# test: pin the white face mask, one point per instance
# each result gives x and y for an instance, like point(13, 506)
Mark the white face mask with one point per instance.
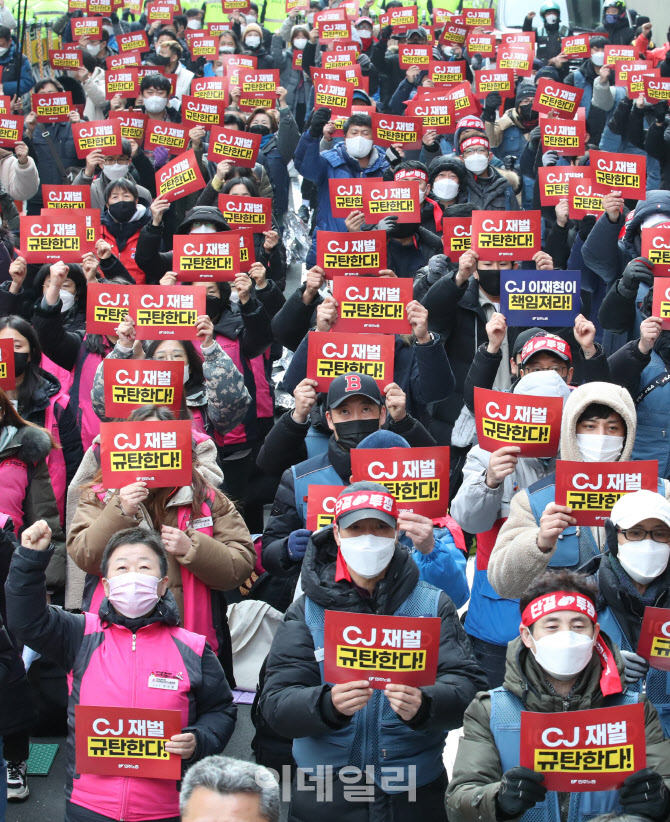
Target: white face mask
point(476, 163)
point(422, 195)
point(598, 58)
point(115, 171)
point(645, 560)
point(93, 48)
point(218, 71)
point(299, 43)
point(203, 229)
point(253, 41)
point(193, 24)
point(599, 447)
point(234, 297)
point(366, 555)
point(67, 298)
point(551, 19)
point(133, 594)
point(154, 105)
point(445, 189)
point(364, 34)
point(358, 147)
point(4, 51)
point(563, 654)
point(227, 49)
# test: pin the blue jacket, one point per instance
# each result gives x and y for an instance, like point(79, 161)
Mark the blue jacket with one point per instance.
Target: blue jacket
point(652, 438)
point(9, 83)
point(444, 567)
point(332, 164)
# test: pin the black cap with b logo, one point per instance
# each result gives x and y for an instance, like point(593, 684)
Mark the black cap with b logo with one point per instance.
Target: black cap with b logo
point(350, 385)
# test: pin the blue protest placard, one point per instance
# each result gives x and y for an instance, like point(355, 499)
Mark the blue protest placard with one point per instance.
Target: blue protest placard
point(544, 298)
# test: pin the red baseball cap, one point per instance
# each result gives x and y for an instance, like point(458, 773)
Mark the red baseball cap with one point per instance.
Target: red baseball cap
point(546, 342)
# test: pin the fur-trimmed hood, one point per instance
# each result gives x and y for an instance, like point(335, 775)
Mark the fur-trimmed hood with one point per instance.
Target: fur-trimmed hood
point(30, 445)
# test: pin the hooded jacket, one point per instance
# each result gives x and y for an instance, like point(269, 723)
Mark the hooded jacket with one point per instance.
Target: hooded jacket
point(516, 560)
point(493, 193)
point(99, 653)
point(475, 782)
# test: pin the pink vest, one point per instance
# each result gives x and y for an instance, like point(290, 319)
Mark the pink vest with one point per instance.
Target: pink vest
point(14, 483)
point(90, 421)
point(56, 459)
point(117, 675)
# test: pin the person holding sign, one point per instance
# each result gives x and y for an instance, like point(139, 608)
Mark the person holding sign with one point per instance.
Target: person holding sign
point(598, 426)
point(561, 662)
point(356, 566)
point(137, 620)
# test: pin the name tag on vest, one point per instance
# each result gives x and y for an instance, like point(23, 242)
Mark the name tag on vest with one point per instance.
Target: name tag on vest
point(319, 654)
point(163, 683)
point(203, 522)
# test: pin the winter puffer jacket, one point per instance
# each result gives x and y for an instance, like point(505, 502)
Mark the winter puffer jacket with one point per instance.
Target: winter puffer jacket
point(297, 703)
point(99, 652)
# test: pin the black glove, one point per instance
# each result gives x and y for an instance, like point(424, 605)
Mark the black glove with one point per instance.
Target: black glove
point(639, 270)
point(520, 790)
point(509, 161)
point(387, 31)
point(660, 110)
point(644, 794)
point(586, 225)
point(491, 104)
point(535, 135)
point(319, 119)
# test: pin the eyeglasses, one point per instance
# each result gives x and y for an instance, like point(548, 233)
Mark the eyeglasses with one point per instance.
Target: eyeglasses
point(470, 151)
point(110, 161)
point(557, 369)
point(638, 534)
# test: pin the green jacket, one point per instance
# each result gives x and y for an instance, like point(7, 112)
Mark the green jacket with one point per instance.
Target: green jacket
point(477, 771)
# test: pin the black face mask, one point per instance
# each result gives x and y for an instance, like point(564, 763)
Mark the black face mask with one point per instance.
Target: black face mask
point(122, 210)
point(214, 307)
point(21, 363)
point(489, 281)
point(350, 434)
point(526, 112)
point(402, 230)
point(257, 128)
point(159, 60)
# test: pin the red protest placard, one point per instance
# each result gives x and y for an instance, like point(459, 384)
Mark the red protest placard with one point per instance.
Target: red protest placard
point(131, 741)
point(329, 16)
point(60, 235)
point(67, 59)
point(52, 108)
point(247, 250)
point(107, 305)
point(414, 55)
point(158, 453)
point(654, 641)
point(636, 80)
point(592, 488)
point(456, 236)
point(388, 129)
point(296, 5)
point(577, 46)
point(382, 649)
point(132, 123)
point(442, 16)
point(134, 41)
point(370, 304)
point(584, 197)
point(238, 146)
point(162, 12)
point(342, 253)
point(346, 195)
point(296, 60)
point(7, 373)
point(516, 58)
point(565, 137)
point(454, 33)
point(445, 73)
point(500, 80)
point(401, 18)
point(100, 7)
point(661, 301)
point(203, 46)
point(350, 74)
point(171, 136)
point(90, 27)
point(525, 39)
point(657, 88)
point(117, 61)
point(481, 18)
point(418, 478)
point(484, 44)
point(656, 248)
point(100, 135)
point(337, 96)
point(11, 130)
point(625, 67)
point(130, 384)
point(439, 115)
point(66, 196)
point(623, 172)
point(330, 354)
point(321, 505)
point(381, 199)
point(167, 312)
point(499, 236)
point(615, 53)
point(232, 61)
point(210, 88)
point(347, 47)
point(219, 27)
point(180, 177)
point(584, 750)
point(533, 424)
point(558, 97)
point(123, 81)
point(214, 257)
point(337, 30)
point(206, 113)
point(464, 100)
point(246, 212)
point(255, 81)
point(235, 5)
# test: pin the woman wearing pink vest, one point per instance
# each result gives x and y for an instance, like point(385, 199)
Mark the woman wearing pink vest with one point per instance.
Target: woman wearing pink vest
point(130, 654)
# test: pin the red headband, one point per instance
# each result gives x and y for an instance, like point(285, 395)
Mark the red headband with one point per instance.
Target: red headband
point(475, 141)
point(360, 500)
point(410, 174)
point(610, 681)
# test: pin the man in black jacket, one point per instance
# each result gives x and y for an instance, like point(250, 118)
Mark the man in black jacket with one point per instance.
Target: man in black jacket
point(370, 732)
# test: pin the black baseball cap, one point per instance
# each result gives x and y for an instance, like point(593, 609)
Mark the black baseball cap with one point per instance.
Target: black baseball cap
point(523, 338)
point(352, 385)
